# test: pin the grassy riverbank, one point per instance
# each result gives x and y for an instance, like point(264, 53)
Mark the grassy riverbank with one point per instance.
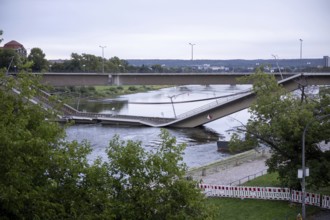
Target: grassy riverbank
point(124, 90)
point(99, 92)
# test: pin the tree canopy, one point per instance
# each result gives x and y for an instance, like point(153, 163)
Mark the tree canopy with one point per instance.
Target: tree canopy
point(90, 63)
point(37, 56)
point(1, 39)
point(278, 120)
point(45, 177)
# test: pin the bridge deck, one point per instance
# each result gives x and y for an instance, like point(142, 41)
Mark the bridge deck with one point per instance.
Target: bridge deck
point(193, 118)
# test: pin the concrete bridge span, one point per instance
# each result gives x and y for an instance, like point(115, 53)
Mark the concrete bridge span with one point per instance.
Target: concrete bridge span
point(203, 114)
point(93, 79)
point(216, 109)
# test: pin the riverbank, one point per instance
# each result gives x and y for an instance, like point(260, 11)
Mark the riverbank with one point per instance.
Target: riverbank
point(99, 92)
point(232, 170)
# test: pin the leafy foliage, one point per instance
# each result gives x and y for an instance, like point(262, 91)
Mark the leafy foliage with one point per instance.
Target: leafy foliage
point(151, 185)
point(12, 60)
point(90, 63)
point(37, 57)
point(278, 120)
point(237, 145)
point(45, 177)
point(1, 32)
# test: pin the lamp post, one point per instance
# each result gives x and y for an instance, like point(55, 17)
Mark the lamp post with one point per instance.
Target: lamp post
point(303, 184)
point(300, 48)
point(171, 97)
point(192, 50)
point(275, 57)
point(103, 57)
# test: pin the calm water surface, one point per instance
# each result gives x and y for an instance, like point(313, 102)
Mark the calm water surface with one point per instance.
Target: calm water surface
point(201, 142)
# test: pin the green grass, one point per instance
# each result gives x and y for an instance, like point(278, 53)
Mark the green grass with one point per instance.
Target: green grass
point(103, 91)
point(323, 191)
point(265, 180)
point(253, 209)
point(70, 93)
point(246, 209)
point(271, 179)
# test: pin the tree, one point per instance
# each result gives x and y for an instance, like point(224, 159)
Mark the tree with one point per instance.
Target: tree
point(11, 60)
point(278, 120)
point(152, 185)
point(8, 56)
point(45, 177)
point(36, 165)
point(39, 62)
point(1, 39)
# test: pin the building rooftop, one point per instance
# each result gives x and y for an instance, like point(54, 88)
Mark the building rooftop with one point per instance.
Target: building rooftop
point(13, 45)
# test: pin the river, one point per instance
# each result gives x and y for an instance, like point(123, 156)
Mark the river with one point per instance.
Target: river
point(201, 142)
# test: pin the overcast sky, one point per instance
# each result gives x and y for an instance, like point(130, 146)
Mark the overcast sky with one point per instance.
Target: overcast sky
point(163, 29)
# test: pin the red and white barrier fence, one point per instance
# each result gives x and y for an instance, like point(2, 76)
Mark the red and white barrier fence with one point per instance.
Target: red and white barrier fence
point(310, 199)
point(326, 202)
point(268, 193)
point(246, 192)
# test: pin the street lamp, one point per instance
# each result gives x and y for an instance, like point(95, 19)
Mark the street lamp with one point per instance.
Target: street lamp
point(275, 57)
point(301, 48)
point(103, 57)
point(192, 50)
point(171, 97)
point(303, 184)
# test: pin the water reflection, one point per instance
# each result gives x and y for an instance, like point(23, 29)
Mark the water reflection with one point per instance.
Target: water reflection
point(102, 106)
point(201, 141)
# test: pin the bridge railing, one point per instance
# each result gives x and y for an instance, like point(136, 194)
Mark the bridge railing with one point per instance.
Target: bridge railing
point(213, 104)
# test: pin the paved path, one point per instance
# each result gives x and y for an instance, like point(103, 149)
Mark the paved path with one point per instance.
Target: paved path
point(231, 174)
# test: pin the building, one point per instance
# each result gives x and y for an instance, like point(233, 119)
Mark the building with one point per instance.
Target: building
point(326, 61)
point(19, 48)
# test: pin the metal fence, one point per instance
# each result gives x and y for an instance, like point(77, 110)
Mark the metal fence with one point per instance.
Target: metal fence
point(248, 178)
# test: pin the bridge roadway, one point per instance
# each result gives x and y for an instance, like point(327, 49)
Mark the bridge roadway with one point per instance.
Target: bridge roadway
point(203, 114)
point(93, 79)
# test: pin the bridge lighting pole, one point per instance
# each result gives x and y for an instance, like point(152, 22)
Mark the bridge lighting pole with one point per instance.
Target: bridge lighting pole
point(171, 97)
point(303, 184)
point(103, 57)
point(192, 50)
point(275, 57)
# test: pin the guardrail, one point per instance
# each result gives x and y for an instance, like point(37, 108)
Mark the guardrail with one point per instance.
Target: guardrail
point(249, 177)
point(211, 105)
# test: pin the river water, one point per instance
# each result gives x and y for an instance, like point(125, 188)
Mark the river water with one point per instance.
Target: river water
point(201, 142)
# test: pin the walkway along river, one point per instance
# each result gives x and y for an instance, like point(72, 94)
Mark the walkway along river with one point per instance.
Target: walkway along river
point(201, 142)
